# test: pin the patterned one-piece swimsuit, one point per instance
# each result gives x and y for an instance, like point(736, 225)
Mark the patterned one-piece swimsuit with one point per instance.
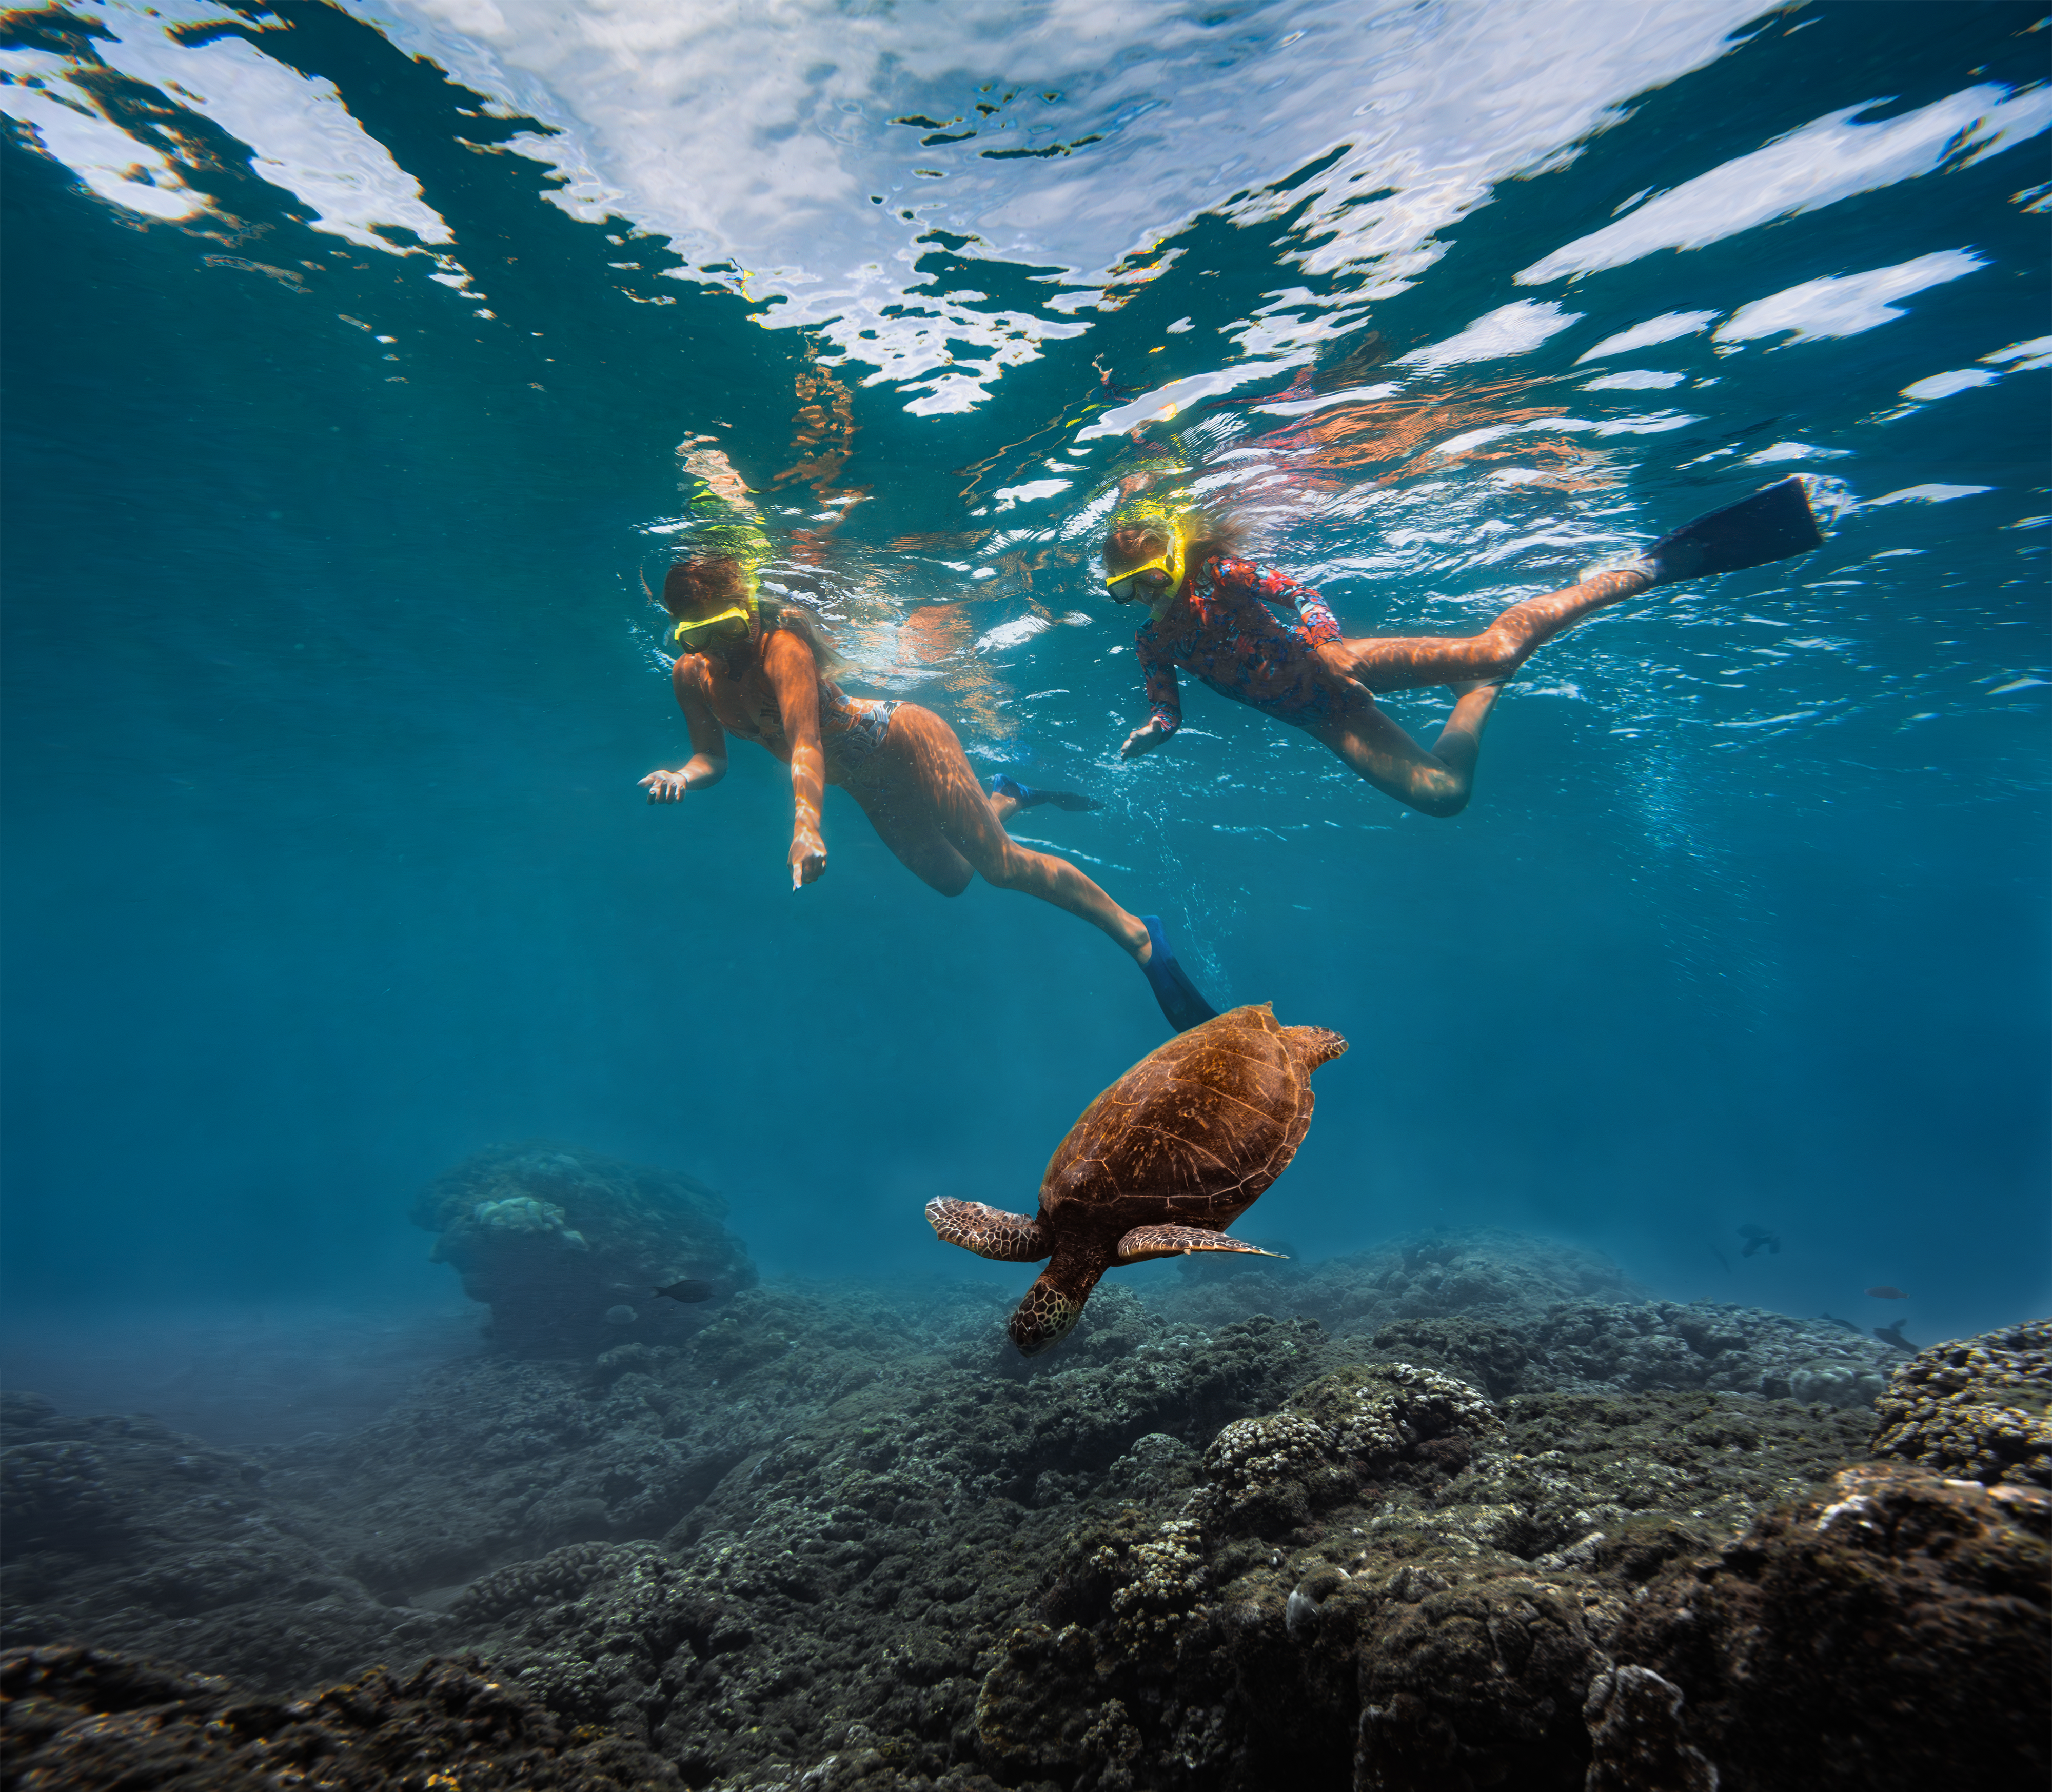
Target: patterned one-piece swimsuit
point(850, 728)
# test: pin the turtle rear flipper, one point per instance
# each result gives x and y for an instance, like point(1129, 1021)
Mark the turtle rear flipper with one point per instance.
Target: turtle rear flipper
point(1145, 1242)
point(1007, 1237)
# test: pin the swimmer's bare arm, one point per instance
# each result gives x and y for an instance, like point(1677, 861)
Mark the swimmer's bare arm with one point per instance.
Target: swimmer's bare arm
point(1163, 697)
point(708, 764)
point(794, 675)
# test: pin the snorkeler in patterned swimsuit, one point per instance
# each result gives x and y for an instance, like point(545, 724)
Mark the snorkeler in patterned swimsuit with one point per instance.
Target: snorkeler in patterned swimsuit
point(745, 666)
point(1208, 614)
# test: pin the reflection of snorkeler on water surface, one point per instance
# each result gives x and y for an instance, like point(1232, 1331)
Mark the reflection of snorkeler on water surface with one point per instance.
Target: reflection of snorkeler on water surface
point(1208, 614)
point(748, 666)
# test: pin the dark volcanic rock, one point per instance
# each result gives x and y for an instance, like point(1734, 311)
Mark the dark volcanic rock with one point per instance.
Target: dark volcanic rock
point(567, 1247)
point(1629, 1347)
point(1425, 1276)
point(847, 1589)
point(84, 1720)
point(847, 1541)
point(56, 1493)
point(1889, 1631)
point(171, 1547)
point(1417, 1617)
point(1635, 1742)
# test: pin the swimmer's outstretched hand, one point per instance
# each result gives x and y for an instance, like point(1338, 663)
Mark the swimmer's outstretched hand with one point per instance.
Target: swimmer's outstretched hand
point(1144, 740)
point(808, 858)
point(666, 787)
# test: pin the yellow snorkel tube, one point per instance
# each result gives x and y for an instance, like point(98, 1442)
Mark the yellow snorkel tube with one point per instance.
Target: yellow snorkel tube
point(747, 546)
point(729, 527)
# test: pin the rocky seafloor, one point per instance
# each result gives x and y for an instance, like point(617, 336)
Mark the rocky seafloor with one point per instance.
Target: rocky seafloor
point(1463, 1511)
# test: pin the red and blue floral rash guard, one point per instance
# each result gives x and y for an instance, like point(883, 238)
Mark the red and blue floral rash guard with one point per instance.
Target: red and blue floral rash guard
point(1220, 627)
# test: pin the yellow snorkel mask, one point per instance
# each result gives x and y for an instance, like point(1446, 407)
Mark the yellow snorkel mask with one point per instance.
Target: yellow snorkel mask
point(1169, 561)
point(746, 548)
point(695, 634)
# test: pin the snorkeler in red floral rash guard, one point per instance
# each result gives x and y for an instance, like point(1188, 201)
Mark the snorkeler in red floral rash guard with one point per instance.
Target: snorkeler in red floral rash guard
point(1224, 631)
point(1209, 613)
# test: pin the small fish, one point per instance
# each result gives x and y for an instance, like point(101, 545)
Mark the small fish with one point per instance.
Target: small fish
point(1721, 1259)
point(687, 1290)
point(1833, 1319)
point(1885, 1293)
point(1892, 1335)
point(1758, 1238)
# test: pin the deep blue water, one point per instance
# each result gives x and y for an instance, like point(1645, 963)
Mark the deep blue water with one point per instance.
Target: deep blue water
point(329, 675)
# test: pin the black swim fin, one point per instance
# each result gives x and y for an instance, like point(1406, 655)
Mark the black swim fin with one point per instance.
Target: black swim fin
point(1774, 523)
point(1181, 1004)
point(1027, 798)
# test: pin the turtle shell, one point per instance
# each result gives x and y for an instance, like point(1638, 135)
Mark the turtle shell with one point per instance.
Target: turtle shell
point(1195, 1131)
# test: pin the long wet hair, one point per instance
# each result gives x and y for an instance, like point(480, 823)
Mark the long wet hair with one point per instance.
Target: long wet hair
point(706, 584)
point(1132, 543)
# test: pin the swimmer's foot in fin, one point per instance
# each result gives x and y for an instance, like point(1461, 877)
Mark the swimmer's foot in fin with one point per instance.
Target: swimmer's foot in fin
point(1025, 796)
point(1181, 1004)
point(1774, 523)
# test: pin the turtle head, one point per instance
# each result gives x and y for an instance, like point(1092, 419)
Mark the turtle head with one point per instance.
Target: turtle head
point(1047, 1315)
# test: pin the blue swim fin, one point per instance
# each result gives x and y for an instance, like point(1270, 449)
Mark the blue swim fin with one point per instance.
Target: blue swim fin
point(1774, 523)
point(1181, 1005)
point(1027, 798)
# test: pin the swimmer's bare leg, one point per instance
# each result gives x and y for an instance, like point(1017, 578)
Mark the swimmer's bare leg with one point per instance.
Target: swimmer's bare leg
point(920, 765)
point(1001, 861)
point(1377, 748)
point(927, 805)
point(911, 831)
point(1416, 662)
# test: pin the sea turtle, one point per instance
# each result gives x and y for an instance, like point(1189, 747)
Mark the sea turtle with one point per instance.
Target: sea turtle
point(1159, 1164)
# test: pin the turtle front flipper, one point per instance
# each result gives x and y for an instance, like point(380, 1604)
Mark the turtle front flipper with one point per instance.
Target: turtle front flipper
point(1008, 1238)
point(1145, 1242)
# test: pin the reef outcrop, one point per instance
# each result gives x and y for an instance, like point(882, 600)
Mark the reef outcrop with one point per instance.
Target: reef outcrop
point(845, 1540)
point(567, 1247)
point(1980, 1408)
point(1889, 1630)
point(1393, 1583)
